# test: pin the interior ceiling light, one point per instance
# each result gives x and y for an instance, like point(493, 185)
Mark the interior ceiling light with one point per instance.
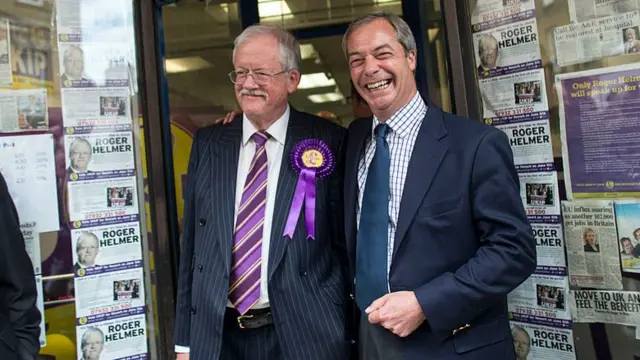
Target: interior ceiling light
point(326, 97)
point(273, 8)
point(307, 51)
point(310, 81)
point(184, 64)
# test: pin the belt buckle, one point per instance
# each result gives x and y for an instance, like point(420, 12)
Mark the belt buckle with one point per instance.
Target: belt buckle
point(242, 317)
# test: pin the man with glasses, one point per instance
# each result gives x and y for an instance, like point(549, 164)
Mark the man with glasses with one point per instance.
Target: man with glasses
point(263, 264)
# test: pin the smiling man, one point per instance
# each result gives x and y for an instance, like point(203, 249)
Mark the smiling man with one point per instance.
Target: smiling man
point(257, 283)
point(436, 230)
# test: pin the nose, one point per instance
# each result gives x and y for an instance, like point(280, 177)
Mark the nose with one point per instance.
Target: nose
point(249, 83)
point(370, 66)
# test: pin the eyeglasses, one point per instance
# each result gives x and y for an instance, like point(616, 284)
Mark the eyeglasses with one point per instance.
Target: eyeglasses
point(259, 77)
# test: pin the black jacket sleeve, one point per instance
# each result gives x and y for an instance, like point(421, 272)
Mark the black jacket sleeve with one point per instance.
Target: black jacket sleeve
point(19, 315)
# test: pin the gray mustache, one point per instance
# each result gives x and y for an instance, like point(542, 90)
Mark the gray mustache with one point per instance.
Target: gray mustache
point(253, 92)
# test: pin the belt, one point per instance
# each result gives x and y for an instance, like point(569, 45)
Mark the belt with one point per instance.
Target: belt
point(252, 319)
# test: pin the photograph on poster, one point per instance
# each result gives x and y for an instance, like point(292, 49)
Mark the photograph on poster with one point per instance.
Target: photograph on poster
point(113, 106)
point(527, 92)
point(552, 297)
point(628, 222)
point(22, 110)
point(540, 194)
point(119, 197)
point(631, 40)
point(126, 289)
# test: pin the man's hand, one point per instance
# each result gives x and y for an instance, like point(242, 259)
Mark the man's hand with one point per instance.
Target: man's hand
point(182, 356)
point(229, 117)
point(398, 312)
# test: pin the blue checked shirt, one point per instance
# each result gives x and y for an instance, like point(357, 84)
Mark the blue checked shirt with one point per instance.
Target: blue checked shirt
point(404, 126)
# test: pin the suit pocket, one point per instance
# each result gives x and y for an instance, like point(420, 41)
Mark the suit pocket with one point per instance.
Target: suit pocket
point(440, 207)
point(478, 336)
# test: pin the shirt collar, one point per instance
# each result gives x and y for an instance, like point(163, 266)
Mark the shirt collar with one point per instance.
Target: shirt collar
point(277, 130)
point(403, 121)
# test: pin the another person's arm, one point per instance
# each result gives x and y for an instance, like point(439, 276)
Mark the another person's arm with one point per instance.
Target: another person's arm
point(18, 294)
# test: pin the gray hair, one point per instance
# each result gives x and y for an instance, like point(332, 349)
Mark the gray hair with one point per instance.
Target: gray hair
point(290, 57)
point(401, 28)
point(85, 235)
point(489, 39)
point(91, 330)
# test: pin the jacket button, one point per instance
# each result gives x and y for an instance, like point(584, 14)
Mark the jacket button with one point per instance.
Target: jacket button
point(303, 272)
point(351, 296)
point(203, 222)
point(193, 310)
point(200, 267)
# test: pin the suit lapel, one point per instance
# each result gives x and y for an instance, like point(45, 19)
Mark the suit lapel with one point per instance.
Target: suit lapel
point(427, 155)
point(287, 181)
point(225, 154)
point(356, 146)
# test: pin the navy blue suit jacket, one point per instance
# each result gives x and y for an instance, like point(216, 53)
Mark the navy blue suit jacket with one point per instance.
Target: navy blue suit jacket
point(307, 278)
point(463, 241)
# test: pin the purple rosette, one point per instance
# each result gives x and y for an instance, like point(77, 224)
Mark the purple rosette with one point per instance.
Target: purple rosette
point(311, 159)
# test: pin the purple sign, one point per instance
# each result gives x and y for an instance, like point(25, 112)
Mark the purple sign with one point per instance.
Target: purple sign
point(601, 131)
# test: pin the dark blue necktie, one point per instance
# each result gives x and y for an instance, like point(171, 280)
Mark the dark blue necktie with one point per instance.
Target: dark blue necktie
point(371, 248)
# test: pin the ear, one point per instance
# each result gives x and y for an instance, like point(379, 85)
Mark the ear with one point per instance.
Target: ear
point(293, 80)
point(411, 59)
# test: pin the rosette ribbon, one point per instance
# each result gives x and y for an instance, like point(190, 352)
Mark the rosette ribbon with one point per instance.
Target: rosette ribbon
point(311, 159)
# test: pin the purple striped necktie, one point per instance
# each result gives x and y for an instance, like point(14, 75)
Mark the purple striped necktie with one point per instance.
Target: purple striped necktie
point(244, 290)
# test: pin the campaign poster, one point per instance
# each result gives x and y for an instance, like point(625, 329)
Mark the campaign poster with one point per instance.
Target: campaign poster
point(99, 155)
point(533, 341)
point(549, 249)
point(599, 130)
point(539, 193)
point(106, 245)
point(103, 198)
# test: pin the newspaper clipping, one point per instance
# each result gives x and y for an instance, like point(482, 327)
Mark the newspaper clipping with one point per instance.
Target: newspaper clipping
point(27, 164)
point(599, 129)
point(542, 296)
point(6, 77)
point(592, 245)
point(583, 10)
point(534, 341)
point(594, 39)
point(628, 222)
point(614, 307)
point(23, 110)
point(550, 249)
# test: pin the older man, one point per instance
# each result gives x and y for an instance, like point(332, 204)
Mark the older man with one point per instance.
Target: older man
point(434, 221)
point(258, 279)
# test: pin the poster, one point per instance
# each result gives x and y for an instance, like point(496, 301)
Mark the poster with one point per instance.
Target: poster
point(531, 144)
point(628, 223)
point(22, 110)
point(542, 296)
point(27, 164)
point(599, 130)
point(592, 244)
point(539, 193)
point(99, 155)
point(40, 305)
point(549, 249)
point(6, 77)
point(31, 237)
point(614, 307)
point(598, 38)
point(121, 335)
point(583, 10)
point(492, 13)
point(102, 198)
point(535, 341)
point(106, 244)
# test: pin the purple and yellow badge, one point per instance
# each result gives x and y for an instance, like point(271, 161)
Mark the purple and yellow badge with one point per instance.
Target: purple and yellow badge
point(312, 159)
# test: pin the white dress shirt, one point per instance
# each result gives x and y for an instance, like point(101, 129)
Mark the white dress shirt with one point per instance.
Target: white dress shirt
point(404, 126)
point(275, 149)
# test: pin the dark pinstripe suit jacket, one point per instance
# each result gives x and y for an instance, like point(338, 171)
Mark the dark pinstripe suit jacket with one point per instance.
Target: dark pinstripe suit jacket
point(307, 282)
